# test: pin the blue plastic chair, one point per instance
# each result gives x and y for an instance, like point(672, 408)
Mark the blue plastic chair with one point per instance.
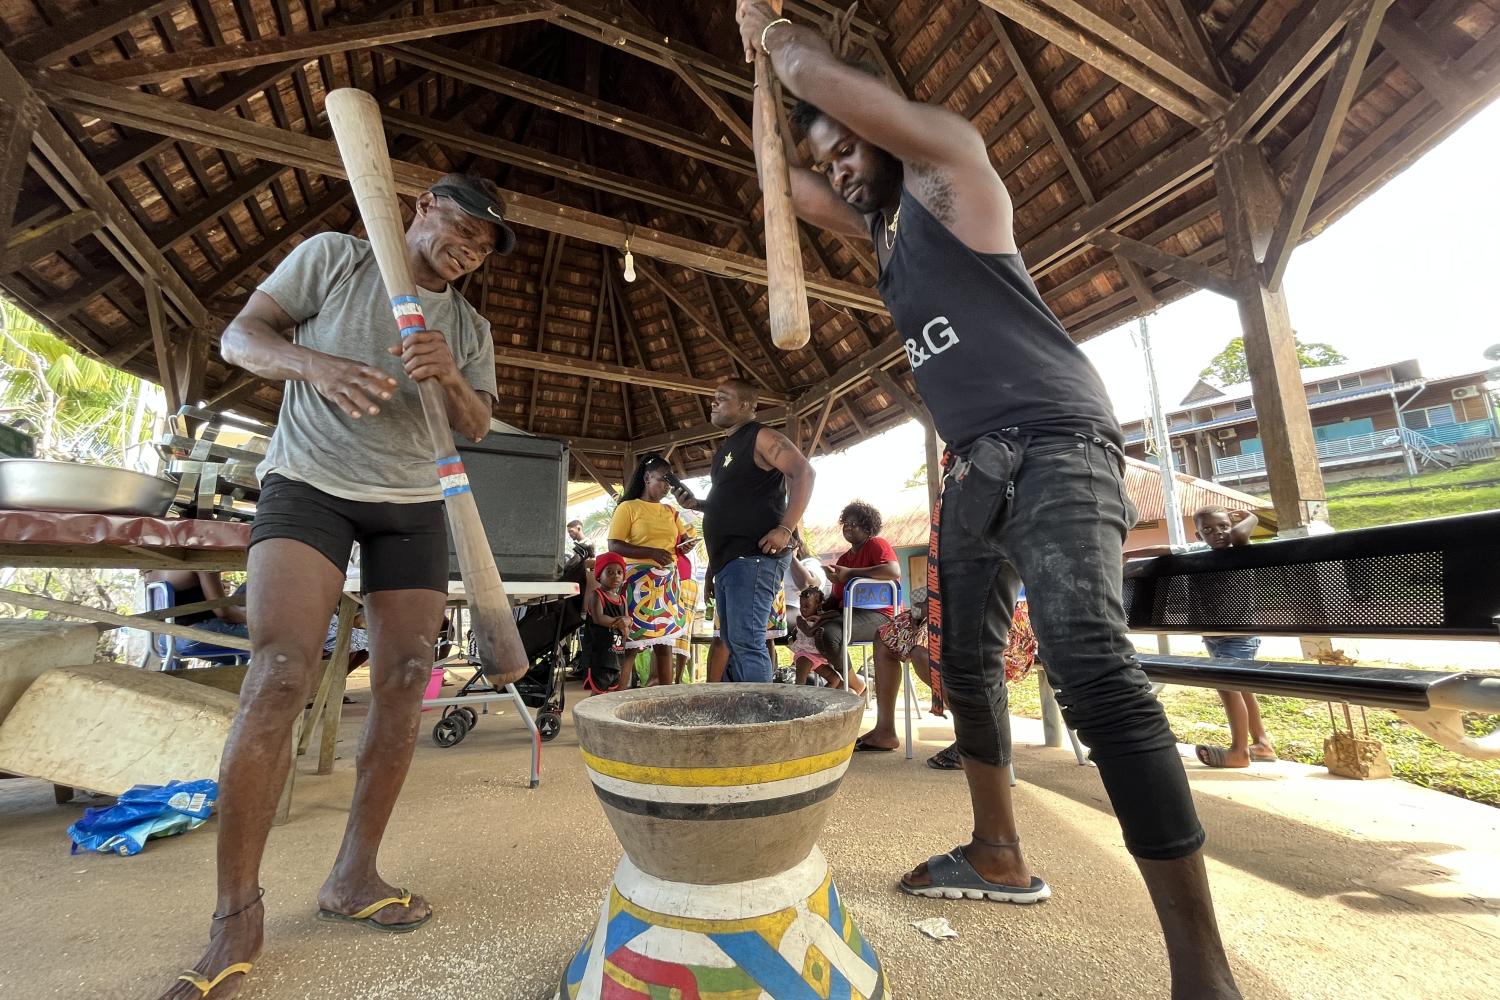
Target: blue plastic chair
point(863, 592)
point(172, 650)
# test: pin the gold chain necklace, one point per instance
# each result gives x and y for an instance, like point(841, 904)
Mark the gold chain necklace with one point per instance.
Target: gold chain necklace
point(890, 229)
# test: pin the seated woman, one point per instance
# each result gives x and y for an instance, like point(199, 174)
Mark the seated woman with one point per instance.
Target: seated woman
point(905, 640)
point(869, 557)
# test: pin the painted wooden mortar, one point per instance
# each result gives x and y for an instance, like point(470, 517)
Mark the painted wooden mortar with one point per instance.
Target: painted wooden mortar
point(718, 794)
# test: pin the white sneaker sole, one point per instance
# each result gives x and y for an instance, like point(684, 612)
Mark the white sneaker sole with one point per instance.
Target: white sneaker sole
point(1021, 897)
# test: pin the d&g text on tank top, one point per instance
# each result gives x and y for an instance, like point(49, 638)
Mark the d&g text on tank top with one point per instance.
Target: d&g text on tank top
point(947, 338)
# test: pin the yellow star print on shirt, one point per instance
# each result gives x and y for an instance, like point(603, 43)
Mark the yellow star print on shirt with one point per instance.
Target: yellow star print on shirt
point(727, 459)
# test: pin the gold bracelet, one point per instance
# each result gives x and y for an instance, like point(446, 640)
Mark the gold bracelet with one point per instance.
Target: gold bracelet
point(779, 20)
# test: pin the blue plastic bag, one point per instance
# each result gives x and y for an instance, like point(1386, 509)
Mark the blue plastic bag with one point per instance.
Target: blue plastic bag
point(144, 812)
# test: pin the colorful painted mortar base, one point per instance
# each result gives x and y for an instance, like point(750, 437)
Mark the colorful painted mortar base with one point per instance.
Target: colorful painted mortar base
point(718, 794)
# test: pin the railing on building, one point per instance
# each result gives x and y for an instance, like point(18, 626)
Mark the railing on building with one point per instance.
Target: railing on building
point(1432, 446)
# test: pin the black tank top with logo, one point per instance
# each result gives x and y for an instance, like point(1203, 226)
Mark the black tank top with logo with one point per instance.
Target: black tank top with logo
point(987, 352)
point(744, 502)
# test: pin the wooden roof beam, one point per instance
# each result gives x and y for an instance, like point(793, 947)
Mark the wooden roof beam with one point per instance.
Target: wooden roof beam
point(84, 30)
point(302, 46)
point(633, 36)
point(558, 167)
point(703, 322)
point(1184, 270)
point(34, 243)
point(1328, 122)
point(267, 142)
point(1118, 54)
point(127, 241)
point(561, 100)
point(1414, 51)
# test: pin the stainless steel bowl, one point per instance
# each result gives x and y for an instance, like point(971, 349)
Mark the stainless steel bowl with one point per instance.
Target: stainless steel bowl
point(36, 484)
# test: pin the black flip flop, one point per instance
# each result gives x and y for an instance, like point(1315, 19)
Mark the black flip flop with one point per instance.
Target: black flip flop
point(946, 759)
point(860, 746)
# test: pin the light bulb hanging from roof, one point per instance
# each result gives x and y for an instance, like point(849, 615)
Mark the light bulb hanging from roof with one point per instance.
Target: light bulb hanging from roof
point(629, 261)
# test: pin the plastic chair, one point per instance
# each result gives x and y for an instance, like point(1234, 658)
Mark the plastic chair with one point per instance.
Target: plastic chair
point(874, 589)
point(172, 650)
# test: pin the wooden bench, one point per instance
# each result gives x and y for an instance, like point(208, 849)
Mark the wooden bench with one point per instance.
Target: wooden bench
point(1434, 579)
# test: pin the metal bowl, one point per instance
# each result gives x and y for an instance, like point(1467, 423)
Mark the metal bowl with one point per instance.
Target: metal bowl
point(72, 487)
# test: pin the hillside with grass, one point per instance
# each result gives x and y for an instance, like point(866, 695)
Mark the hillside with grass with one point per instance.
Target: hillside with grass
point(1361, 503)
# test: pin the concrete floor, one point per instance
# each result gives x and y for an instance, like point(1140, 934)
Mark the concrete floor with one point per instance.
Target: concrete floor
point(1327, 888)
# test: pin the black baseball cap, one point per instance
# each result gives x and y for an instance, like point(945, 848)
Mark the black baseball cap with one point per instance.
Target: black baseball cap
point(481, 199)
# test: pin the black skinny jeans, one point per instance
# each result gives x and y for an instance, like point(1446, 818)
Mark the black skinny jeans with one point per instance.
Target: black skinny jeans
point(1051, 510)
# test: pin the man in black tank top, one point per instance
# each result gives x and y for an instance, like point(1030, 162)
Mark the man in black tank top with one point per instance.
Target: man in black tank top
point(1033, 489)
point(760, 487)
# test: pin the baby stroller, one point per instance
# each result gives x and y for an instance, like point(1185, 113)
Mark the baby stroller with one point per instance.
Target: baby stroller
point(546, 634)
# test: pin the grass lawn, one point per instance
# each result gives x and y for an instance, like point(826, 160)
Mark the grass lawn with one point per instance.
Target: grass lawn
point(1299, 728)
point(1441, 493)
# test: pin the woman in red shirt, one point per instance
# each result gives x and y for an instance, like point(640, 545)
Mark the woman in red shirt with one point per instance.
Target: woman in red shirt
point(869, 557)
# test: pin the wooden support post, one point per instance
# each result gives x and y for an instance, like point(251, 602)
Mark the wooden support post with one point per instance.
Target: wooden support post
point(166, 372)
point(338, 674)
point(1328, 122)
point(1251, 203)
point(934, 463)
point(284, 804)
point(593, 473)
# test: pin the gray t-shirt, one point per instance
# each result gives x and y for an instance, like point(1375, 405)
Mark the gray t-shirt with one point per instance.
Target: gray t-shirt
point(331, 286)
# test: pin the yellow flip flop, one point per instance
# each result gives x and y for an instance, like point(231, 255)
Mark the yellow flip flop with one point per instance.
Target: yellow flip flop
point(204, 985)
point(367, 915)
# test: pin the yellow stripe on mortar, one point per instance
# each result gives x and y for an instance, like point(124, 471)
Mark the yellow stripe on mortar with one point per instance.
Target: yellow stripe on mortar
point(718, 777)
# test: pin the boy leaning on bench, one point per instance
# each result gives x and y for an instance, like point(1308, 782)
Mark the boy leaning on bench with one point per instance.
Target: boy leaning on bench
point(1220, 528)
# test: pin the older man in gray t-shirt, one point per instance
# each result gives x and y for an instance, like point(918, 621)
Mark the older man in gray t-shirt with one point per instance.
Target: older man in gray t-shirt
point(350, 461)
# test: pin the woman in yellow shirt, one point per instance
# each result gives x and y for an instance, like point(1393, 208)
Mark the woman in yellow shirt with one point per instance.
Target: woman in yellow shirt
point(646, 532)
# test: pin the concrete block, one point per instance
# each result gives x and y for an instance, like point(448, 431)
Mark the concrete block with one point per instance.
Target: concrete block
point(105, 727)
point(29, 649)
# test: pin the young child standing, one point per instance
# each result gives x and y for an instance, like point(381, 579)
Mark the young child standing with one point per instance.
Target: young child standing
point(1220, 528)
point(605, 625)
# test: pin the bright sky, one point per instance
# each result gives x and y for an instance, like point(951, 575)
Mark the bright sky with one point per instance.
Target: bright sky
point(1408, 273)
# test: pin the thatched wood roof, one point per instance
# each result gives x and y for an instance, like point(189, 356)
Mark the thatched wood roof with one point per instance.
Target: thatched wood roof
point(179, 151)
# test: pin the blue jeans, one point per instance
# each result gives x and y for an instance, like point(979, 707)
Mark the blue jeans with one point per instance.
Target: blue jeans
point(1231, 647)
point(744, 592)
point(224, 627)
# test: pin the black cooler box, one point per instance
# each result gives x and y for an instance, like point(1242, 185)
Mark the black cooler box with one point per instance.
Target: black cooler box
point(521, 486)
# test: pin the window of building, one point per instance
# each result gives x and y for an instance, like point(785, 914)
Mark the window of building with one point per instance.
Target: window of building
point(1350, 382)
point(1432, 416)
point(1244, 405)
point(1324, 388)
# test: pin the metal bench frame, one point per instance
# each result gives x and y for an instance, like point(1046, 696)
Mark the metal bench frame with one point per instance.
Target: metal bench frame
point(1356, 580)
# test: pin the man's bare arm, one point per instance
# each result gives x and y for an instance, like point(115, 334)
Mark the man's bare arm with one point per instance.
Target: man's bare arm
point(259, 341)
point(812, 198)
point(773, 448)
point(933, 142)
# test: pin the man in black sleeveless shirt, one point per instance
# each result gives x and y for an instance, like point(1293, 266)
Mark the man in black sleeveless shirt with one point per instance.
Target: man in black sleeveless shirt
point(1033, 490)
point(760, 487)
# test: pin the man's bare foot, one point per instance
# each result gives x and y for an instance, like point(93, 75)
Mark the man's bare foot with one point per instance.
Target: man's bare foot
point(232, 939)
point(877, 740)
point(351, 897)
point(1262, 752)
point(1212, 756)
point(1000, 865)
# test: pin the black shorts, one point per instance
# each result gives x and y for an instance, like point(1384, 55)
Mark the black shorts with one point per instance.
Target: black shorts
point(402, 546)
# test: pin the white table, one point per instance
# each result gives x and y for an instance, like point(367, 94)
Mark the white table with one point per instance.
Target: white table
point(520, 593)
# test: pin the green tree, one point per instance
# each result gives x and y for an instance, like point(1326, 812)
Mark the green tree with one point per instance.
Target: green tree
point(1229, 367)
point(74, 406)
